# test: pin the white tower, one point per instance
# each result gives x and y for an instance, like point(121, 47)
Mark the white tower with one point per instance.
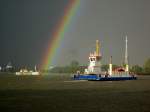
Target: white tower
point(35, 69)
point(126, 55)
point(94, 59)
point(110, 66)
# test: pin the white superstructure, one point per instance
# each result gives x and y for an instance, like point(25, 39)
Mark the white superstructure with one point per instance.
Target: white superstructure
point(94, 61)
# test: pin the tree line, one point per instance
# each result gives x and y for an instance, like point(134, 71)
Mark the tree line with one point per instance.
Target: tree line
point(75, 66)
point(145, 69)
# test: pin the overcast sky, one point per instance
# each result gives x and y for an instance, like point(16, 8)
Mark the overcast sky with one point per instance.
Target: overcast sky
point(27, 25)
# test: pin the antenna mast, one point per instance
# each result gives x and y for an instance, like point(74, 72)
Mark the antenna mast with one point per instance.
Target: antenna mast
point(126, 54)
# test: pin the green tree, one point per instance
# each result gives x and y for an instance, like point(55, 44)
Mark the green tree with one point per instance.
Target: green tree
point(147, 66)
point(104, 67)
point(136, 69)
point(74, 66)
point(74, 63)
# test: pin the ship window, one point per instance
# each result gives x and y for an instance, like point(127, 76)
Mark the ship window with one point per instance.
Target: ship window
point(91, 59)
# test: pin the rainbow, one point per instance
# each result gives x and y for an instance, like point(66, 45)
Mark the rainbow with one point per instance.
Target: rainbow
point(59, 31)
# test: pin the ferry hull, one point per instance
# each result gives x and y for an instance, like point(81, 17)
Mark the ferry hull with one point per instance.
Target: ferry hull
point(97, 78)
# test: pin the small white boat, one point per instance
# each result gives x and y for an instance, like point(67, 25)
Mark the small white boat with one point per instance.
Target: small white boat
point(26, 72)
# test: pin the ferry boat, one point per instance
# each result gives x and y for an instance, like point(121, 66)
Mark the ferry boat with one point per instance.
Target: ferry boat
point(93, 71)
point(27, 72)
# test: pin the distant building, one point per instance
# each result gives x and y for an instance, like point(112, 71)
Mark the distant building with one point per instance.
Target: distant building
point(9, 66)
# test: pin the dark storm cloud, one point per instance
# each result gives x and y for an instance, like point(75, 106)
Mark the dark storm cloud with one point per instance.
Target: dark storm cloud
point(27, 25)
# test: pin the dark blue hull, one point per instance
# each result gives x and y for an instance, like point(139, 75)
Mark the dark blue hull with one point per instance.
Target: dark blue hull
point(97, 78)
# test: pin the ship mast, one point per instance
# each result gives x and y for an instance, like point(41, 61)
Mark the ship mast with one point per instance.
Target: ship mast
point(126, 55)
point(97, 48)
